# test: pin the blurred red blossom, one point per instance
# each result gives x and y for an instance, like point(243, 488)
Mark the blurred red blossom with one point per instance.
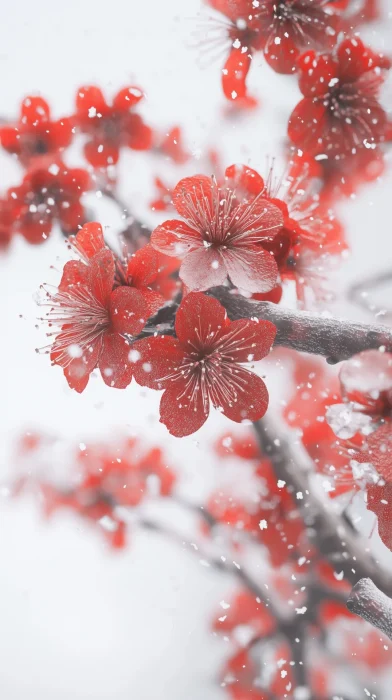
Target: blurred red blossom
point(340, 111)
point(35, 134)
point(50, 192)
point(110, 127)
point(282, 31)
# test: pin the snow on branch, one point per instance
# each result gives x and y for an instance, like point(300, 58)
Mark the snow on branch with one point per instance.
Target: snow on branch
point(368, 602)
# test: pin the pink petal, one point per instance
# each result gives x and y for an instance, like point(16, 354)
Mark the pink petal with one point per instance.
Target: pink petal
point(175, 238)
point(181, 414)
point(198, 319)
point(247, 341)
point(114, 365)
point(252, 269)
point(128, 311)
point(202, 269)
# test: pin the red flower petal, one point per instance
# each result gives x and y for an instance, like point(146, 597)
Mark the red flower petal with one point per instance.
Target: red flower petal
point(10, 138)
point(102, 275)
point(75, 181)
point(155, 359)
point(34, 110)
point(114, 365)
point(128, 311)
point(140, 136)
point(127, 98)
point(143, 267)
point(89, 240)
point(74, 273)
point(77, 370)
point(234, 74)
point(90, 99)
point(175, 238)
point(198, 317)
point(59, 134)
point(246, 178)
point(181, 414)
point(282, 56)
point(101, 153)
point(307, 124)
point(193, 193)
point(251, 394)
point(317, 71)
point(354, 59)
point(71, 217)
point(252, 269)
point(35, 232)
point(154, 301)
point(248, 341)
point(203, 268)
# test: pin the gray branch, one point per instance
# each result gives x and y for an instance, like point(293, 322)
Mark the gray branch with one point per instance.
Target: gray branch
point(334, 339)
point(332, 535)
point(367, 601)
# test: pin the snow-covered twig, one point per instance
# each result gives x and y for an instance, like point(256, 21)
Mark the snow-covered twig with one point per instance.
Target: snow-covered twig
point(367, 601)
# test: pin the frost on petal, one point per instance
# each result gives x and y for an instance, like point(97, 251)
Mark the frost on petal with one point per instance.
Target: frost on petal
point(203, 268)
point(252, 269)
point(175, 238)
point(345, 421)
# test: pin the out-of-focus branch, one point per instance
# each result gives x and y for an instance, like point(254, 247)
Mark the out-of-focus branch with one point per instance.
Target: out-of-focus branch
point(367, 601)
point(331, 534)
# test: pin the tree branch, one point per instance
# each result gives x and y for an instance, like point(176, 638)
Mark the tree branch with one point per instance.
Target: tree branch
point(367, 601)
point(333, 338)
point(332, 535)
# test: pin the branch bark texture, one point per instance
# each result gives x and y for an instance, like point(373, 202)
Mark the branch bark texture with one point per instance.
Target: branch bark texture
point(334, 339)
point(335, 539)
point(367, 601)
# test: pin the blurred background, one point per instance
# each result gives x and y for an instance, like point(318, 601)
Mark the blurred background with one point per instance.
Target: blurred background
point(79, 620)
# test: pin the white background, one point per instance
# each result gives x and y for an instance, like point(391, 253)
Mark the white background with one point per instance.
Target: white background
point(77, 621)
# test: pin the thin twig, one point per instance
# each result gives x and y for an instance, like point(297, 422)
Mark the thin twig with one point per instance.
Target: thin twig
point(334, 539)
point(367, 601)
